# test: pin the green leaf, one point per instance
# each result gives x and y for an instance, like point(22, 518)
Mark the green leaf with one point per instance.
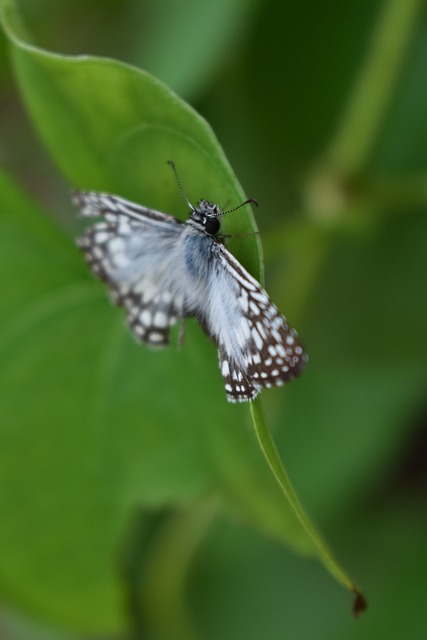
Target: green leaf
point(110, 126)
point(92, 424)
point(278, 592)
point(197, 52)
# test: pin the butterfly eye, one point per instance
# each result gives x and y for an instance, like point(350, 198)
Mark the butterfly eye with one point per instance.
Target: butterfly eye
point(212, 226)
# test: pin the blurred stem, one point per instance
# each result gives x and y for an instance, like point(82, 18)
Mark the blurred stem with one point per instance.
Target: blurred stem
point(373, 88)
point(327, 198)
point(401, 195)
point(166, 572)
point(272, 457)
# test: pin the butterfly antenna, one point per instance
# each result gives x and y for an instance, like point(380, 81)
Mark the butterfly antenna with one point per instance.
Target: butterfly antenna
point(242, 204)
point(184, 195)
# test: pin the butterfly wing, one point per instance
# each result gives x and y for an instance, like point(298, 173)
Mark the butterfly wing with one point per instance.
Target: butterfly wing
point(257, 347)
point(162, 270)
point(131, 250)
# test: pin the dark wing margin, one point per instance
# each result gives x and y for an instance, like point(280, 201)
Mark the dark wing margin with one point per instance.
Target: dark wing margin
point(150, 312)
point(238, 385)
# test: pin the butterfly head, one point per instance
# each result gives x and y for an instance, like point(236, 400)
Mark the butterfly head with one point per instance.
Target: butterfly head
point(205, 217)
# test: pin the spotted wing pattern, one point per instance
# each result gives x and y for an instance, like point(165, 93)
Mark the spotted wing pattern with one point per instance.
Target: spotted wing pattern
point(123, 250)
point(162, 270)
point(264, 350)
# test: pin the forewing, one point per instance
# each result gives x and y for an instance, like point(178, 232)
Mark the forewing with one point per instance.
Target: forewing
point(131, 250)
point(257, 347)
point(93, 204)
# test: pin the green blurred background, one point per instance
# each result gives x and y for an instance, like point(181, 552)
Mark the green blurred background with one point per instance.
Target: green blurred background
point(321, 109)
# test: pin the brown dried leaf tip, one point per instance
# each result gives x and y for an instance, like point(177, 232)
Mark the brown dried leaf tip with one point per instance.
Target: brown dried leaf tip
point(359, 603)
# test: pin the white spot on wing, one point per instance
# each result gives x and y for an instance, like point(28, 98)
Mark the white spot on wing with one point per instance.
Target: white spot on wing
point(146, 318)
point(160, 319)
point(120, 259)
point(257, 339)
point(244, 325)
point(254, 308)
point(156, 337)
point(101, 236)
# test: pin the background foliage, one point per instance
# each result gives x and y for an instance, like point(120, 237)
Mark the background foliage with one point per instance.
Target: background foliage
point(320, 108)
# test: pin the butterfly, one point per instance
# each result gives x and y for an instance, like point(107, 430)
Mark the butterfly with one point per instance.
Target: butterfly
point(163, 270)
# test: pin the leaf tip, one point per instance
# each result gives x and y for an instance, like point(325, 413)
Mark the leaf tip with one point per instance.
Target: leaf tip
point(359, 603)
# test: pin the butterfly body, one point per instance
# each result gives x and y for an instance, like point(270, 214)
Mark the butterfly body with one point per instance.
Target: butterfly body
point(163, 270)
